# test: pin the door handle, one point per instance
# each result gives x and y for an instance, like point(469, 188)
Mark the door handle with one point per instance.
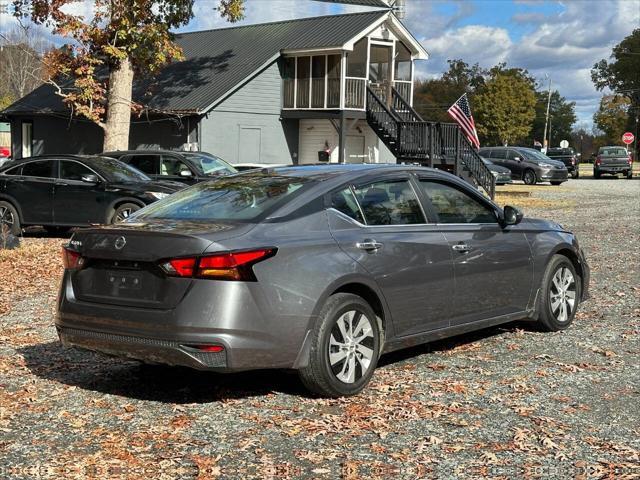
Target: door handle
point(61, 184)
point(461, 247)
point(369, 245)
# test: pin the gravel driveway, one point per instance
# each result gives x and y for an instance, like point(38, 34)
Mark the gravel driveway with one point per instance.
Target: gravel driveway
point(507, 402)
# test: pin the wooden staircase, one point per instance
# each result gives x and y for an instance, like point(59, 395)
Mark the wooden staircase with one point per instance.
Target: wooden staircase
point(433, 144)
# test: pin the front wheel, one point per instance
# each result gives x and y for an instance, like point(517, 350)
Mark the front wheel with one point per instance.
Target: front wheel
point(529, 177)
point(123, 212)
point(345, 347)
point(559, 295)
point(575, 174)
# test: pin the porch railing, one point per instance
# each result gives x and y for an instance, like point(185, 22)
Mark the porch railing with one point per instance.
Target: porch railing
point(355, 92)
point(404, 89)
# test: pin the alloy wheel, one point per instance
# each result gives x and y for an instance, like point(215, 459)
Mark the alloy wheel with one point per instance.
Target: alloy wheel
point(529, 177)
point(562, 294)
point(351, 346)
point(123, 215)
point(6, 218)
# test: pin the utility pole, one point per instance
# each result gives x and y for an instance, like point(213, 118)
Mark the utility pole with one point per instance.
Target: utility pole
point(546, 120)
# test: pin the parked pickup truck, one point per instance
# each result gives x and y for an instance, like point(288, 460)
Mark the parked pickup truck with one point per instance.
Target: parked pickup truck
point(567, 156)
point(613, 160)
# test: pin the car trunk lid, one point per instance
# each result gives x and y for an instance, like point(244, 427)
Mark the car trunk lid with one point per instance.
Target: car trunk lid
point(122, 262)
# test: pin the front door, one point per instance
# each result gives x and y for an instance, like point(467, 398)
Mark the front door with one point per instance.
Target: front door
point(355, 149)
point(492, 265)
point(77, 202)
point(380, 71)
point(382, 227)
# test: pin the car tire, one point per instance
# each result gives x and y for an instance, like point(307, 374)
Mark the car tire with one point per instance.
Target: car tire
point(123, 211)
point(575, 174)
point(9, 219)
point(559, 284)
point(529, 177)
point(629, 175)
point(596, 174)
point(339, 365)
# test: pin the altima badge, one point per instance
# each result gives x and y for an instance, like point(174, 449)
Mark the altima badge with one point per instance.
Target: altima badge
point(120, 243)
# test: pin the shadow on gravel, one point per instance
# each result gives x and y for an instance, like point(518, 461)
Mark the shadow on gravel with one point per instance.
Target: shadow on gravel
point(160, 383)
point(115, 376)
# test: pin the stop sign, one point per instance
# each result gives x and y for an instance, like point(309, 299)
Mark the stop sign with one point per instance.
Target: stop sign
point(628, 138)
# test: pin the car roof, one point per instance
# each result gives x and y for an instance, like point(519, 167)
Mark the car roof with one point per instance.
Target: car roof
point(151, 152)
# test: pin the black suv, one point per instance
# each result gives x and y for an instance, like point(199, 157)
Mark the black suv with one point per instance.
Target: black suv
point(527, 164)
point(567, 156)
point(64, 191)
point(184, 167)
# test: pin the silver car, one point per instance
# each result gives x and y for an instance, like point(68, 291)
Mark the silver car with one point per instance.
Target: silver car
point(321, 269)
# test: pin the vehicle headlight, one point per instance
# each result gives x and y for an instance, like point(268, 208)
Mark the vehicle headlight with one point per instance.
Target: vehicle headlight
point(158, 195)
point(545, 165)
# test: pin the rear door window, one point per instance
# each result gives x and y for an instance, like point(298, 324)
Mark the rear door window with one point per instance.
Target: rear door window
point(391, 202)
point(148, 164)
point(41, 169)
point(499, 154)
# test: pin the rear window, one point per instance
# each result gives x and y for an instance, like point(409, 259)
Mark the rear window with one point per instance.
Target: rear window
point(243, 198)
point(613, 152)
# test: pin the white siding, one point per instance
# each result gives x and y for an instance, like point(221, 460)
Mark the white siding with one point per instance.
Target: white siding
point(314, 134)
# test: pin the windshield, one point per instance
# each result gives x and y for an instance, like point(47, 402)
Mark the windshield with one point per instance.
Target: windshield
point(210, 164)
point(613, 152)
point(239, 198)
point(117, 171)
point(533, 154)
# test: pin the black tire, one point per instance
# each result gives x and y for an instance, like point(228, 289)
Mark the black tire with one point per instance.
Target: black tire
point(57, 230)
point(596, 174)
point(529, 177)
point(123, 211)
point(576, 173)
point(9, 219)
point(549, 312)
point(629, 175)
point(556, 183)
point(319, 375)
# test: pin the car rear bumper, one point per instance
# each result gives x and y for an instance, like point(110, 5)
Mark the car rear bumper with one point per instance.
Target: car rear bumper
point(234, 315)
point(612, 168)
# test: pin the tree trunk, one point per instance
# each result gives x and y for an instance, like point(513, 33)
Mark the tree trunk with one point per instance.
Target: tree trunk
point(116, 127)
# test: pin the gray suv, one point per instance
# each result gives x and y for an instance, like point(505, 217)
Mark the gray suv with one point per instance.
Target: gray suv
point(527, 164)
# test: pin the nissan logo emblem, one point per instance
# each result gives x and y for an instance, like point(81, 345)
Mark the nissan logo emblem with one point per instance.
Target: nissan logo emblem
point(120, 243)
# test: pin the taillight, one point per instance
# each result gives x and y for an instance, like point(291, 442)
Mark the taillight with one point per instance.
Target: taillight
point(220, 266)
point(598, 160)
point(71, 259)
point(207, 348)
point(630, 160)
point(573, 160)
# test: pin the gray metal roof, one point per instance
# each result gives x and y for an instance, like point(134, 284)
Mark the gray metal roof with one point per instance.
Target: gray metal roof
point(217, 61)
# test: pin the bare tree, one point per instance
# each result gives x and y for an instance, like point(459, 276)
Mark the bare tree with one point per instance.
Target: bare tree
point(21, 52)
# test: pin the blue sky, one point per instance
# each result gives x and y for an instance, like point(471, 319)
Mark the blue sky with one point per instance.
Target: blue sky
point(562, 39)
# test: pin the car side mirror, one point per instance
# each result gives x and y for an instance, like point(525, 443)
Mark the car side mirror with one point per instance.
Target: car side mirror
point(518, 159)
point(90, 178)
point(511, 216)
point(185, 173)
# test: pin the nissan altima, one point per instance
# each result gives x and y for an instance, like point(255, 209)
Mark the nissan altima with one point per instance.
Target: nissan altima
point(320, 269)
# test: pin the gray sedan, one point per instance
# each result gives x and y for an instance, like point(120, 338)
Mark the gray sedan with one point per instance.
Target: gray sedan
point(321, 269)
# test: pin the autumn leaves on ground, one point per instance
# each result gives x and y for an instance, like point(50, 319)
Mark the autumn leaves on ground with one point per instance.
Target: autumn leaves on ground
point(507, 402)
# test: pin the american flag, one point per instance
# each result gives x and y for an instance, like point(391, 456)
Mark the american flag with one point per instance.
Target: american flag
point(461, 112)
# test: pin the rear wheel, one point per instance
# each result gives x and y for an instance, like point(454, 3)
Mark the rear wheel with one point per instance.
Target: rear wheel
point(629, 175)
point(576, 173)
point(529, 177)
point(559, 294)
point(9, 219)
point(124, 211)
point(345, 347)
point(596, 174)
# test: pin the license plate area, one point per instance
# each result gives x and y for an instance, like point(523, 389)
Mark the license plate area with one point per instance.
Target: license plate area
point(123, 281)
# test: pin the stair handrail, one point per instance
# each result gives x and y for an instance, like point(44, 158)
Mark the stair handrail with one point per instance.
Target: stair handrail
point(397, 97)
